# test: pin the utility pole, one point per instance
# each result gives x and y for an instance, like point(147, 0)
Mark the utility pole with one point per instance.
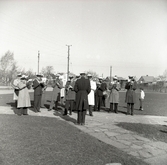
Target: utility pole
point(38, 60)
point(110, 73)
point(68, 59)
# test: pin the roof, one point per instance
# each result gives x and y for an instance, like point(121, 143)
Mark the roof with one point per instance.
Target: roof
point(147, 79)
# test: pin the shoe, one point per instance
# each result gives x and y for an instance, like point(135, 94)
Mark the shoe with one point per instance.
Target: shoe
point(77, 123)
point(91, 115)
point(82, 123)
point(49, 109)
point(25, 114)
point(64, 114)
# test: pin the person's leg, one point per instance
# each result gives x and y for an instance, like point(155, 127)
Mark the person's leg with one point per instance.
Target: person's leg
point(36, 103)
point(79, 117)
point(99, 103)
point(71, 106)
point(25, 111)
point(116, 107)
point(66, 107)
point(96, 102)
point(132, 108)
point(90, 110)
point(43, 100)
point(56, 105)
point(19, 111)
point(141, 104)
point(83, 117)
point(16, 103)
point(111, 107)
point(128, 108)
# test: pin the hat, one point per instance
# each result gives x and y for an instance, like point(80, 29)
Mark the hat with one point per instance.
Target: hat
point(39, 75)
point(82, 73)
point(89, 75)
point(71, 76)
point(23, 77)
point(115, 78)
point(100, 78)
point(57, 75)
point(131, 76)
point(19, 75)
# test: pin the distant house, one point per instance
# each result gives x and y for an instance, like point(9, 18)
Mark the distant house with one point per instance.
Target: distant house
point(146, 80)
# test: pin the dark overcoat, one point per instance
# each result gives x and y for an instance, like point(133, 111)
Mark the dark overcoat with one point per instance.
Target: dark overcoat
point(101, 89)
point(57, 85)
point(69, 88)
point(82, 89)
point(130, 93)
point(37, 87)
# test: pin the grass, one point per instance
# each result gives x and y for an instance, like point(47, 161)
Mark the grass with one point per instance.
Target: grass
point(150, 131)
point(32, 140)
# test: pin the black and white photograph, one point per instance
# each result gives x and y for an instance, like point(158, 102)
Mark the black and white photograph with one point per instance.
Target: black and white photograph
point(83, 82)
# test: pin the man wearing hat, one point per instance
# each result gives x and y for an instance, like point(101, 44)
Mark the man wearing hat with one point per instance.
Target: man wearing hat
point(100, 99)
point(57, 85)
point(69, 95)
point(37, 86)
point(16, 88)
point(114, 95)
point(130, 97)
point(82, 89)
point(91, 95)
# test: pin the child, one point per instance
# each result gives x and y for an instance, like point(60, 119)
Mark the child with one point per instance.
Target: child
point(141, 98)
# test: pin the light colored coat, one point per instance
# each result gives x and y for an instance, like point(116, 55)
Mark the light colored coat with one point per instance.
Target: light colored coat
point(15, 86)
point(114, 95)
point(23, 97)
point(91, 95)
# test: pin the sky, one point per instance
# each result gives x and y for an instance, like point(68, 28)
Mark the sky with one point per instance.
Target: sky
point(117, 37)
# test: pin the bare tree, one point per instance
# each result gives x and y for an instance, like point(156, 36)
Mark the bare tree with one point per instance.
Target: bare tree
point(94, 74)
point(165, 73)
point(8, 68)
point(47, 71)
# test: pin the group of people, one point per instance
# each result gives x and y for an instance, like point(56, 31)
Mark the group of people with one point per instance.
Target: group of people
point(21, 96)
point(80, 93)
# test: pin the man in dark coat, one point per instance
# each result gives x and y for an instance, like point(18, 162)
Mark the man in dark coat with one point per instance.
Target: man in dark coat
point(130, 98)
point(37, 86)
point(99, 94)
point(82, 89)
point(69, 95)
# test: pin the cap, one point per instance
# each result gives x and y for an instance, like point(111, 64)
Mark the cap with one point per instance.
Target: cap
point(131, 76)
point(57, 75)
point(89, 75)
point(100, 78)
point(82, 73)
point(115, 78)
point(19, 75)
point(23, 77)
point(39, 75)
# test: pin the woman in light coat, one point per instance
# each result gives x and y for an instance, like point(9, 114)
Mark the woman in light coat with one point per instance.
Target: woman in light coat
point(114, 95)
point(91, 95)
point(23, 97)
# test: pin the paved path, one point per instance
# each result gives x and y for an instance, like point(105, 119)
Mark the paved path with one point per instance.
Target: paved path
point(103, 127)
